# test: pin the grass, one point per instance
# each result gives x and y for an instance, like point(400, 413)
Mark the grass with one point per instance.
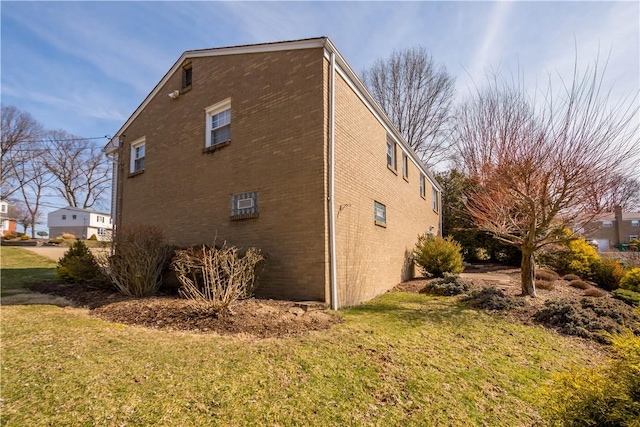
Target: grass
point(19, 268)
point(402, 359)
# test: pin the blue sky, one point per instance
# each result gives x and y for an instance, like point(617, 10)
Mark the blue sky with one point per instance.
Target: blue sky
point(85, 66)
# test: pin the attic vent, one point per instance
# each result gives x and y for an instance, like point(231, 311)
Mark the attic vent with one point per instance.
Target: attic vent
point(187, 76)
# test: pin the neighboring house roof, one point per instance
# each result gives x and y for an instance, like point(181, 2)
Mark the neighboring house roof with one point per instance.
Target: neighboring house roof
point(72, 208)
point(626, 216)
point(319, 42)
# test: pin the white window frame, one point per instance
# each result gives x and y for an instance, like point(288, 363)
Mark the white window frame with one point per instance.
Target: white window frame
point(239, 203)
point(102, 231)
point(379, 208)
point(141, 142)
point(435, 199)
point(211, 111)
point(607, 224)
point(632, 237)
point(423, 192)
point(635, 223)
point(3, 208)
point(391, 154)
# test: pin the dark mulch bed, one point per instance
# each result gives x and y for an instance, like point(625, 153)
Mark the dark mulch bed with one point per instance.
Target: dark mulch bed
point(262, 318)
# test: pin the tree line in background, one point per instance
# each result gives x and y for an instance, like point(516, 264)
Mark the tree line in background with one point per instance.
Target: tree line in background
point(36, 161)
point(527, 168)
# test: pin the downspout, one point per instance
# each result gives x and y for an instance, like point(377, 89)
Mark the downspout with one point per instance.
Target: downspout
point(440, 213)
point(333, 284)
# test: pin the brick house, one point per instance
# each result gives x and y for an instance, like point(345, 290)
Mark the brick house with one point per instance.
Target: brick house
point(281, 147)
point(614, 228)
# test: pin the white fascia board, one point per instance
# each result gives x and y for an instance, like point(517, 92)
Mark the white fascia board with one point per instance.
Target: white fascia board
point(352, 79)
point(112, 145)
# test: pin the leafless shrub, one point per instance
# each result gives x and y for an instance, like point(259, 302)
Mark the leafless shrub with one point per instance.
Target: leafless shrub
point(141, 253)
point(570, 277)
point(213, 278)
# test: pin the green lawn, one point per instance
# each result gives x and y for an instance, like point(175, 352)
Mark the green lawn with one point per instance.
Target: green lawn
point(19, 268)
point(403, 359)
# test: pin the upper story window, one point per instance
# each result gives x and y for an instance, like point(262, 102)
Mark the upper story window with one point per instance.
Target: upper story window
point(391, 154)
point(74, 216)
point(435, 197)
point(64, 217)
point(607, 223)
point(3, 208)
point(379, 213)
point(137, 155)
point(635, 223)
point(422, 190)
point(99, 218)
point(187, 76)
point(218, 124)
point(405, 166)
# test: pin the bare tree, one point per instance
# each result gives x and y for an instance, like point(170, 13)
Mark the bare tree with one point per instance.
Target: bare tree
point(417, 95)
point(19, 134)
point(81, 171)
point(23, 216)
point(617, 190)
point(537, 160)
point(33, 180)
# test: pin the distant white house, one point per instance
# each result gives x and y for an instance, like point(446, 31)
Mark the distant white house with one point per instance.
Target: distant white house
point(82, 223)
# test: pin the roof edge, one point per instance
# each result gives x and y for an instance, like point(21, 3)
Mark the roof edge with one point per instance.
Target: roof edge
point(310, 43)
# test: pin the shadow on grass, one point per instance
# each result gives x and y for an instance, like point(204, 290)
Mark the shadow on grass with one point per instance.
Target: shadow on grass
point(414, 309)
point(16, 284)
point(19, 279)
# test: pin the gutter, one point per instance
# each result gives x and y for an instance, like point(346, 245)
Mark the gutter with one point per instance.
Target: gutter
point(333, 281)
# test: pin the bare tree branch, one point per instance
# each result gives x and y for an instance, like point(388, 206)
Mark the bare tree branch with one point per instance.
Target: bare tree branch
point(19, 134)
point(417, 96)
point(81, 171)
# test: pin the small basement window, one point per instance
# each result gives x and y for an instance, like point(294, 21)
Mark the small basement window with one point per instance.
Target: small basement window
point(244, 205)
point(380, 214)
point(635, 223)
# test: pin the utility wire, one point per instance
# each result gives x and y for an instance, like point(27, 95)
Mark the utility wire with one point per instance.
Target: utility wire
point(35, 141)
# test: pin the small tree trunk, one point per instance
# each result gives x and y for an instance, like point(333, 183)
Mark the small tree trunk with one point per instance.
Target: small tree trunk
point(528, 273)
point(33, 230)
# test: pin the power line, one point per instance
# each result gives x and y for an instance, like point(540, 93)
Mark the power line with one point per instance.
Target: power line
point(35, 141)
